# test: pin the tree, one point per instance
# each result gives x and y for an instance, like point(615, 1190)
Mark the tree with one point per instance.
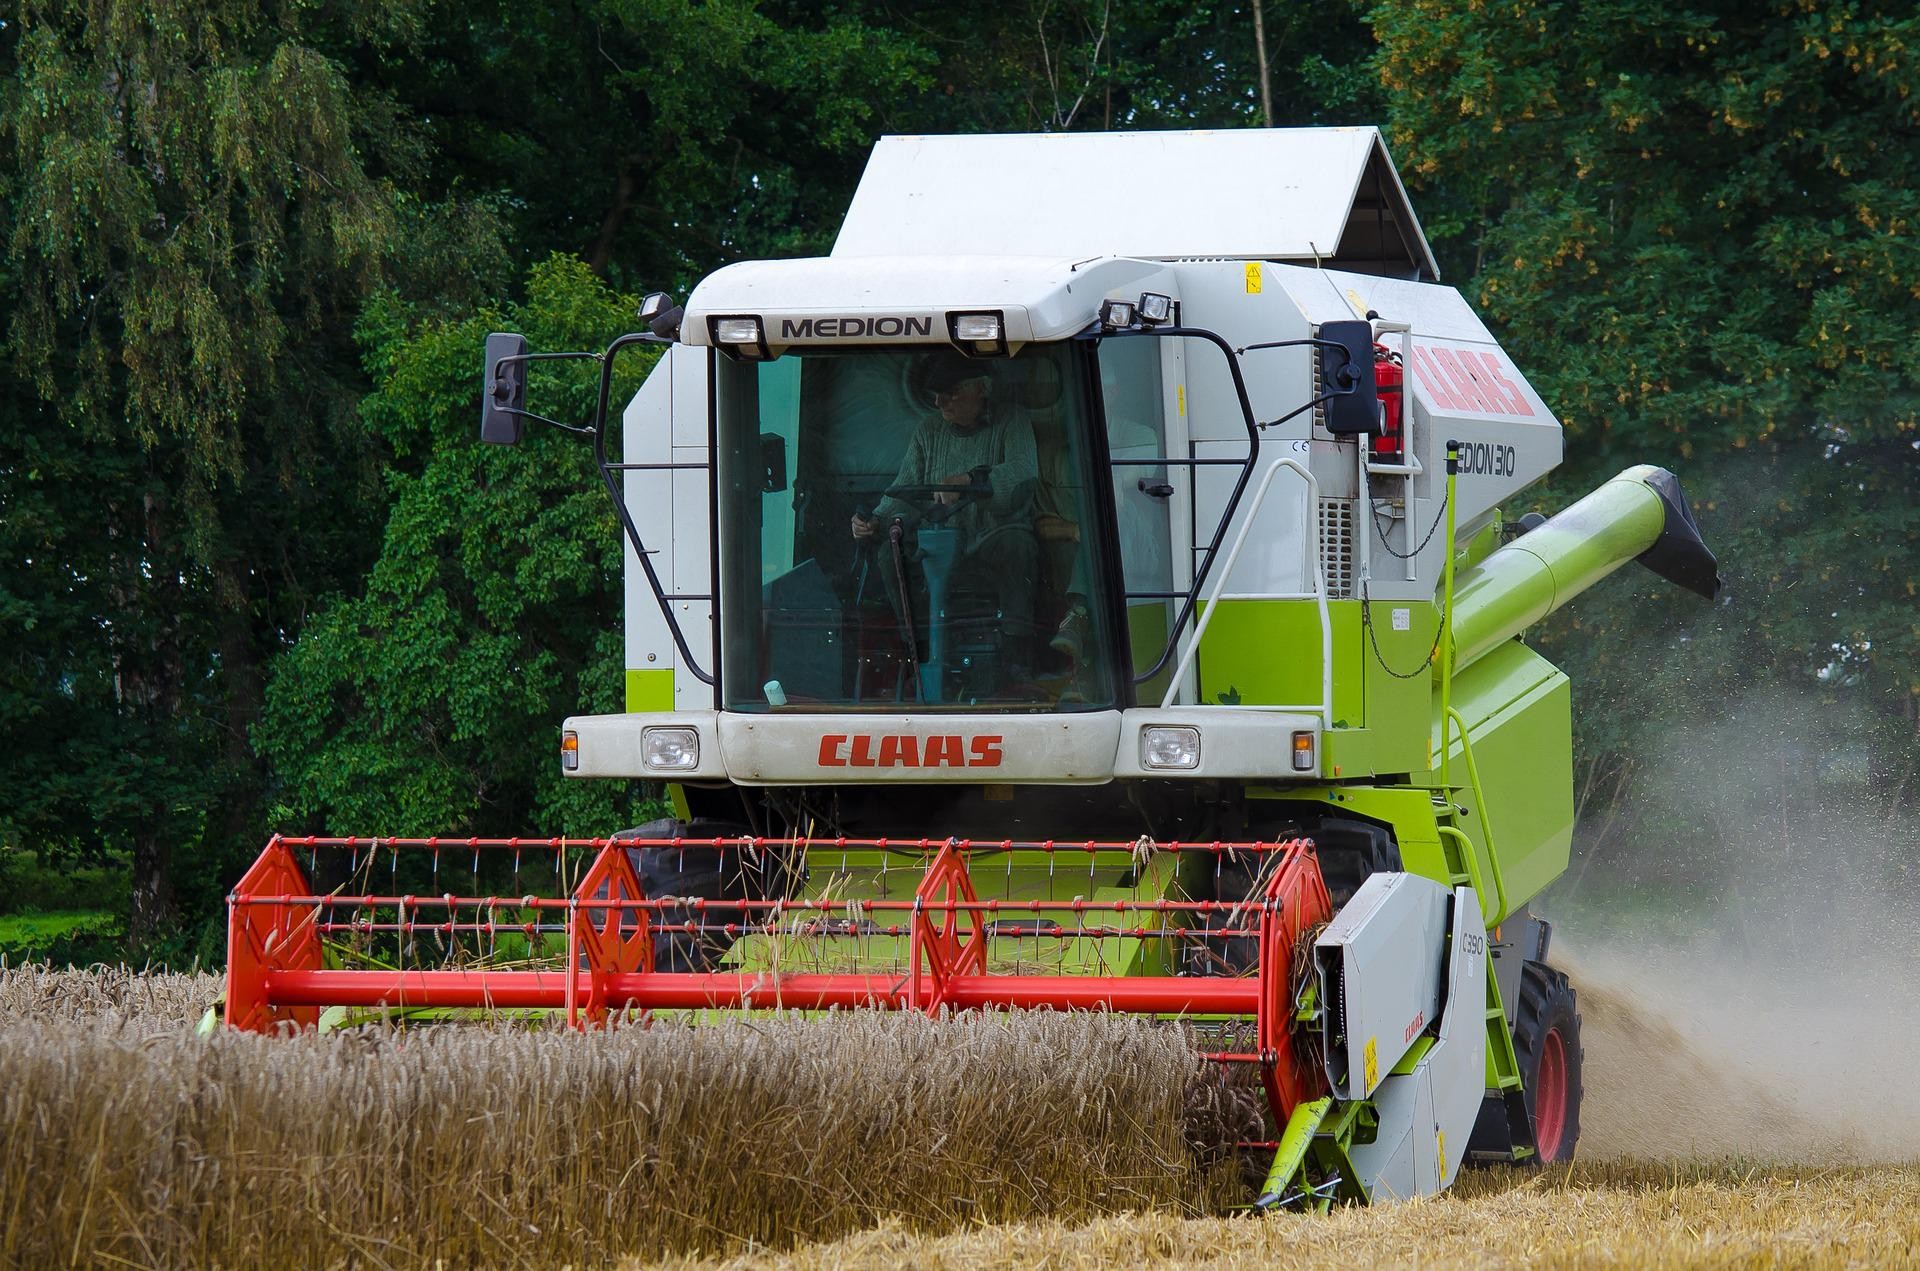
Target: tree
point(428, 701)
point(199, 199)
point(656, 139)
point(1696, 227)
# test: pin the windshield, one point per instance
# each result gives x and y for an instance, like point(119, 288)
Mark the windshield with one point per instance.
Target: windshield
point(912, 528)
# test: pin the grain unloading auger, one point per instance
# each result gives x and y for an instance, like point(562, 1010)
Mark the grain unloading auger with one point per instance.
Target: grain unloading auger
point(1083, 589)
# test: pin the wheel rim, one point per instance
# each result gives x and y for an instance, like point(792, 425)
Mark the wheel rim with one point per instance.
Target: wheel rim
point(1550, 1096)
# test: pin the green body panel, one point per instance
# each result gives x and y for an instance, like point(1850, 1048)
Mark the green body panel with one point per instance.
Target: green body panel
point(1518, 714)
point(1408, 810)
point(650, 690)
point(873, 875)
point(1147, 636)
point(1267, 653)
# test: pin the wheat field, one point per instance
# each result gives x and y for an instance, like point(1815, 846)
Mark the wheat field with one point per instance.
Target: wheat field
point(126, 1138)
point(861, 1140)
point(1636, 1215)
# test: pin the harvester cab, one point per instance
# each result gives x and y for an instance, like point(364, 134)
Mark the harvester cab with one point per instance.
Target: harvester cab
point(1083, 589)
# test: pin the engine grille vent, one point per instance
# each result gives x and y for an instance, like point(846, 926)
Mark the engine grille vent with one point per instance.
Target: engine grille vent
point(1336, 547)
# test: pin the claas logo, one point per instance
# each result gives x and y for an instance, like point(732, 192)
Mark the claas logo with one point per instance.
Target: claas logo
point(904, 750)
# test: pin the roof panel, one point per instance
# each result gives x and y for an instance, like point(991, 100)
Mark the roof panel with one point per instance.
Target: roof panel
point(1265, 193)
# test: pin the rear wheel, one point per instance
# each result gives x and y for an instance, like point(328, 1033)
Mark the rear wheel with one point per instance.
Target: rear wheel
point(1546, 1038)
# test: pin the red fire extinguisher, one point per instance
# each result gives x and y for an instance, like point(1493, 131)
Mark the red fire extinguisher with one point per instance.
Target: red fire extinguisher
point(1390, 377)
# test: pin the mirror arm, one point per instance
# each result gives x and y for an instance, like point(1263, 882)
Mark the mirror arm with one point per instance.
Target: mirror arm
point(599, 431)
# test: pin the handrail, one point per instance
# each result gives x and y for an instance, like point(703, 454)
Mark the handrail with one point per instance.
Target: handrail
point(1472, 862)
point(1479, 802)
point(1325, 708)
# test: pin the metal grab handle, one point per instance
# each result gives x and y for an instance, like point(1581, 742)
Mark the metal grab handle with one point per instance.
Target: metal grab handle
point(1226, 572)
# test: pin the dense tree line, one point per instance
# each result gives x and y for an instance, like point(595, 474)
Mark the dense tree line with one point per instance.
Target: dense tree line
point(254, 574)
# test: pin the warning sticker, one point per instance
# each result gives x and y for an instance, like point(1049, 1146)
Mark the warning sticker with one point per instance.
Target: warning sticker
point(1440, 1150)
point(1253, 278)
point(1403, 619)
point(1372, 1065)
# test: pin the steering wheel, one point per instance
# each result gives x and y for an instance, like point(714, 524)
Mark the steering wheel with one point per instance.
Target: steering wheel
point(927, 496)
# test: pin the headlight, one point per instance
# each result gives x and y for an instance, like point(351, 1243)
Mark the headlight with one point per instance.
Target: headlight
point(1170, 748)
point(670, 749)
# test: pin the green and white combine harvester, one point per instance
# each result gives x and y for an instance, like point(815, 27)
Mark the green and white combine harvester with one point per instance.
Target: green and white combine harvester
point(1084, 588)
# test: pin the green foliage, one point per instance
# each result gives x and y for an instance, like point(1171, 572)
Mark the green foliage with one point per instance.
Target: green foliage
point(239, 590)
point(198, 198)
point(428, 701)
point(657, 139)
point(1698, 221)
point(1695, 227)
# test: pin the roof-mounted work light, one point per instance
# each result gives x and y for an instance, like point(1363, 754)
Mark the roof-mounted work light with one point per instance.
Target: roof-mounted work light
point(1155, 308)
point(1117, 315)
point(982, 334)
point(740, 334)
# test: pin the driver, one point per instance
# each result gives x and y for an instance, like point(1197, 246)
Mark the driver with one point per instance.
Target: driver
point(971, 442)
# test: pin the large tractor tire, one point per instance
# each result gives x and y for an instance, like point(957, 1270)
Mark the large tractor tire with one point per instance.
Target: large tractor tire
point(1546, 1039)
point(702, 873)
point(1352, 851)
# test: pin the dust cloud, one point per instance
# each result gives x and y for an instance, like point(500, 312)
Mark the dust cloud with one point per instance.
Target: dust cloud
point(1691, 1054)
point(1751, 987)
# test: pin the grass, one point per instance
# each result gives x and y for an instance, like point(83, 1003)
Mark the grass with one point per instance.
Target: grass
point(27, 933)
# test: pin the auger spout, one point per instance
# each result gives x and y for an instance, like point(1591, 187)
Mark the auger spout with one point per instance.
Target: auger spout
point(1642, 514)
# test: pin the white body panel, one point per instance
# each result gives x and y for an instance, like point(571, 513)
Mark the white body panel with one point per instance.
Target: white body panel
point(1427, 1113)
point(1379, 963)
point(666, 422)
point(1085, 748)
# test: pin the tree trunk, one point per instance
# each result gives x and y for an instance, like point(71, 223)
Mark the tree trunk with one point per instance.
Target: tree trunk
point(1260, 51)
point(243, 689)
point(153, 909)
point(150, 678)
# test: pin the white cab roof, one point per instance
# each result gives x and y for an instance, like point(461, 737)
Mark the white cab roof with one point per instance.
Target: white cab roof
point(1043, 298)
point(1326, 195)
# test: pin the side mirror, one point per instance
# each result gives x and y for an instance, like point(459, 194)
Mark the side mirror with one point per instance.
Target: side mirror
point(1346, 373)
point(503, 390)
point(773, 463)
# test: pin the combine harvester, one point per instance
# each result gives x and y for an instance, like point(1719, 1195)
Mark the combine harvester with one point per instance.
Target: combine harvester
point(1084, 589)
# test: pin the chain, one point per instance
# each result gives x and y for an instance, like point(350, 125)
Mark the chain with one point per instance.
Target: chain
point(1381, 531)
point(1373, 638)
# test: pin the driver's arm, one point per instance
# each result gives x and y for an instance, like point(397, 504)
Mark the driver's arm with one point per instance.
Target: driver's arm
point(913, 471)
point(1012, 478)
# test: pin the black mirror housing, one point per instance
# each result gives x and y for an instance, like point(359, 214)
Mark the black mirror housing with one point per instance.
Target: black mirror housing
point(1346, 376)
point(503, 390)
point(773, 463)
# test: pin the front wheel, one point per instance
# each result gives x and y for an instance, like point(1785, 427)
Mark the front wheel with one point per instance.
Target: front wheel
point(1546, 1039)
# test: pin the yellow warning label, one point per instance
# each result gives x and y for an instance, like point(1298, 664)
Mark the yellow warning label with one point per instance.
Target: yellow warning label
point(1372, 1065)
point(1180, 393)
point(1440, 1150)
point(1359, 305)
point(1253, 278)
